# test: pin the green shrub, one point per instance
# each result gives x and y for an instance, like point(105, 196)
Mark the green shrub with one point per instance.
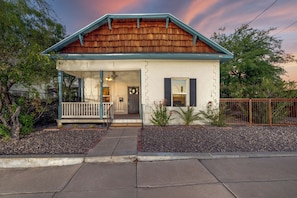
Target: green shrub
point(160, 115)
point(27, 122)
point(4, 132)
point(188, 115)
point(214, 116)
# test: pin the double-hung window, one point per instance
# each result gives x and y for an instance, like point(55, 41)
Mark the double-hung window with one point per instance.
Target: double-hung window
point(180, 92)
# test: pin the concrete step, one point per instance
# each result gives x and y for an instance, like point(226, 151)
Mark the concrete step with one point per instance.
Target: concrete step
point(126, 124)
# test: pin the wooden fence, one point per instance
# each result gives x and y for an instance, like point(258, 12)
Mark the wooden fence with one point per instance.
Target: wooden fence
point(260, 111)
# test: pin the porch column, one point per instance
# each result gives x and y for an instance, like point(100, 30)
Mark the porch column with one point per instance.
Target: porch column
point(140, 98)
point(60, 82)
point(101, 96)
point(81, 89)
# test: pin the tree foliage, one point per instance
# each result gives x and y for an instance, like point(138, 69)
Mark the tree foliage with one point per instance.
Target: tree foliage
point(255, 70)
point(27, 28)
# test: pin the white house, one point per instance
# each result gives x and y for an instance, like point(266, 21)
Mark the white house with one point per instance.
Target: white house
point(127, 62)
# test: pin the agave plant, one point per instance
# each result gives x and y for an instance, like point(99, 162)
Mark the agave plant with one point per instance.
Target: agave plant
point(188, 115)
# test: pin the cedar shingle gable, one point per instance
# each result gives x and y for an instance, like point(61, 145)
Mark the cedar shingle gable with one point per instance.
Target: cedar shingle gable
point(152, 36)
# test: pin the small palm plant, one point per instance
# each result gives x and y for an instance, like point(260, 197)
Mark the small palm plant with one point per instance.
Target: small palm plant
point(188, 115)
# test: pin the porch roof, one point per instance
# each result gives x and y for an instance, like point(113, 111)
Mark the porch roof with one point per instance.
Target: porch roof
point(220, 53)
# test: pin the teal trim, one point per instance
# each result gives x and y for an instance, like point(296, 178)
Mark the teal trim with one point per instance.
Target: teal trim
point(138, 23)
point(167, 22)
point(79, 89)
point(108, 19)
point(166, 56)
point(101, 94)
point(109, 23)
point(140, 97)
point(81, 39)
point(69, 39)
point(194, 40)
point(82, 91)
point(60, 82)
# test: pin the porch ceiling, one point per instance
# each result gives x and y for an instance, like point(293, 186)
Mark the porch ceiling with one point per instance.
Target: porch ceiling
point(92, 74)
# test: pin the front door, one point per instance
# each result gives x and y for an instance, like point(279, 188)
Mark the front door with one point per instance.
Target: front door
point(133, 100)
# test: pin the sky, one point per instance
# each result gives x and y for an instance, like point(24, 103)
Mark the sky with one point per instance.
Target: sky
point(205, 16)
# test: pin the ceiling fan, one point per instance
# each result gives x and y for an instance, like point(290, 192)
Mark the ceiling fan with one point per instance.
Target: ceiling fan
point(114, 75)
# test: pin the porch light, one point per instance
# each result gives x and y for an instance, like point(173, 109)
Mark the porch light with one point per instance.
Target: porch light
point(108, 78)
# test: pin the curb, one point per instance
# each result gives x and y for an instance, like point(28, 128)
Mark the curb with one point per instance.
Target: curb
point(143, 156)
point(39, 161)
point(47, 161)
point(111, 159)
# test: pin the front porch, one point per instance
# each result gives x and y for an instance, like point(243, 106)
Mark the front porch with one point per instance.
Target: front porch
point(91, 113)
point(100, 96)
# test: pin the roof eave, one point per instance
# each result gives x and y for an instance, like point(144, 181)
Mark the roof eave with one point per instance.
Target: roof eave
point(125, 56)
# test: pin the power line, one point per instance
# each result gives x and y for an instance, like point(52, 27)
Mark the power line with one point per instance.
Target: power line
point(262, 12)
point(285, 28)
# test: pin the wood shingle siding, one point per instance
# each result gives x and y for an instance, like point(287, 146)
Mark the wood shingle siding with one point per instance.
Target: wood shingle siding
point(152, 36)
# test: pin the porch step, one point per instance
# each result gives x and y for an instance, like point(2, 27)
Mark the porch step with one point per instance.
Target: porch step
point(126, 123)
point(115, 122)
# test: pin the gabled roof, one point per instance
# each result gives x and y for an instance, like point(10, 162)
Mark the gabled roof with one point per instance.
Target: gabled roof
point(218, 51)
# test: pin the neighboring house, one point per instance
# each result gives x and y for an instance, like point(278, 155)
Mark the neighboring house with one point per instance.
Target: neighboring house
point(43, 91)
point(127, 62)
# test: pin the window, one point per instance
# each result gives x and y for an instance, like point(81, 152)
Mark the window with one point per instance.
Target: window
point(106, 94)
point(180, 91)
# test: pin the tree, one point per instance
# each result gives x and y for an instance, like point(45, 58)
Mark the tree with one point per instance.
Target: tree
point(27, 28)
point(254, 72)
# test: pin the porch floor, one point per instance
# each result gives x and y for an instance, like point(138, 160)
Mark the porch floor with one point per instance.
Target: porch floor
point(119, 120)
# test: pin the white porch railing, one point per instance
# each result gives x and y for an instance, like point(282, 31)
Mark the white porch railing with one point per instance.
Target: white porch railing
point(85, 109)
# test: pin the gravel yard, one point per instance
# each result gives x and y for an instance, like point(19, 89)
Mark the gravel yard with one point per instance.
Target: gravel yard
point(64, 141)
point(160, 139)
point(218, 139)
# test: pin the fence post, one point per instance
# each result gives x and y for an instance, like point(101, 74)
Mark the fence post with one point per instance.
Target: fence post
point(269, 112)
point(250, 112)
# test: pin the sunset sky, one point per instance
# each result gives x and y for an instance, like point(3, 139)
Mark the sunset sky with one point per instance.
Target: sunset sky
point(205, 16)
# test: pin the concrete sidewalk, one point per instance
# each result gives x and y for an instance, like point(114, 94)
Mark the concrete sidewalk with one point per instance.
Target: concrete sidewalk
point(119, 145)
point(126, 173)
point(224, 178)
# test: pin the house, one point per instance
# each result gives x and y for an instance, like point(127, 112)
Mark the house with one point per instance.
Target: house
point(126, 62)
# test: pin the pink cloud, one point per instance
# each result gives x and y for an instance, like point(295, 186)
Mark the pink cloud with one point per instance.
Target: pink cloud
point(108, 6)
point(197, 7)
point(223, 18)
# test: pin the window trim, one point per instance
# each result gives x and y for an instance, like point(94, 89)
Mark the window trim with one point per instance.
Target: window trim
point(185, 92)
point(191, 91)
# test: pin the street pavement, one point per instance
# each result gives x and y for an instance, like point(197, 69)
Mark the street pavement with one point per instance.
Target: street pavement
point(111, 169)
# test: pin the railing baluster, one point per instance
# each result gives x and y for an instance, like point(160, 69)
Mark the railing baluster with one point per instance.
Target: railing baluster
point(83, 109)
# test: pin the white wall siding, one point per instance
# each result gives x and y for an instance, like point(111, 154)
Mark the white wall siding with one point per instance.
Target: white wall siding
point(205, 72)
point(153, 72)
